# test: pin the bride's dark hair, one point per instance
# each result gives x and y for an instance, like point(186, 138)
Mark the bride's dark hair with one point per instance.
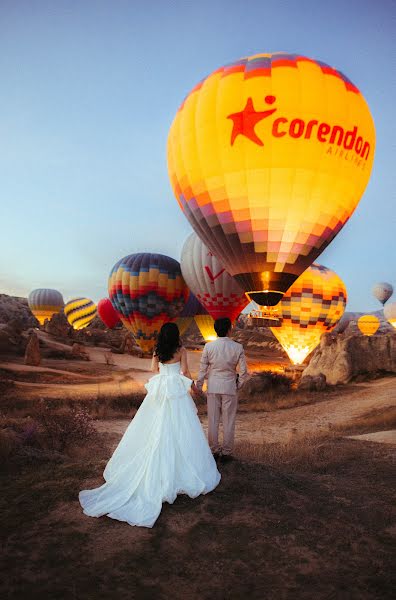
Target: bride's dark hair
point(168, 342)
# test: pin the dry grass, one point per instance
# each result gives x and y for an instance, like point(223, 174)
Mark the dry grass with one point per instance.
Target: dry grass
point(382, 419)
point(299, 453)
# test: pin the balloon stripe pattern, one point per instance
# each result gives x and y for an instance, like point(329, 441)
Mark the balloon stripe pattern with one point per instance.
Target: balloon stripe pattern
point(312, 306)
point(80, 312)
point(44, 303)
point(268, 158)
point(368, 324)
point(192, 308)
point(205, 275)
point(147, 290)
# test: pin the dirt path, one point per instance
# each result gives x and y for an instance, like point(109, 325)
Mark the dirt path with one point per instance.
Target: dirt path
point(279, 425)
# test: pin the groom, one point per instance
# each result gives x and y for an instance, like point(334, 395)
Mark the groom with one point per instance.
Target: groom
point(218, 364)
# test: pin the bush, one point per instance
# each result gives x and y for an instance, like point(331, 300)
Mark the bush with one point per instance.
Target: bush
point(61, 429)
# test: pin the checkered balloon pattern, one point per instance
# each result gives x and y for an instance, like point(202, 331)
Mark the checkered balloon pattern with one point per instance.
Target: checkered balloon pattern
point(312, 306)
point(147, 290)
point(268, 158)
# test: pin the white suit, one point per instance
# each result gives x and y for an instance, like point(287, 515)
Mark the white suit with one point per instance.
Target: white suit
point(219, 363)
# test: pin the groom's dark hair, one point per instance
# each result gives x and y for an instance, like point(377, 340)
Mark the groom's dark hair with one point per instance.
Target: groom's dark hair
point(222, 326)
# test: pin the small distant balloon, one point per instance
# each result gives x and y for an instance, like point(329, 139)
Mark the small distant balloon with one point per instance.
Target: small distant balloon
point(107, 313)
point(382, 291)
point(44, 303)
point(368, 324)
point(390, 313)
point(80, 312)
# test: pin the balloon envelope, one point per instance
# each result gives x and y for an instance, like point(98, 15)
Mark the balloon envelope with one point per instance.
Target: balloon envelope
point(390, 313)
point(205, 325)
point(312, 306)
point(268, 158)
point(44, 303)
point(192, 307)
point(382, 291)
point(368, 324)
point(107, 313)
point(80, 312)
point(147, 290)
point(215, 289)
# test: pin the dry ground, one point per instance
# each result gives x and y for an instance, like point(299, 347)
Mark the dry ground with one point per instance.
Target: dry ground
point(304, 513)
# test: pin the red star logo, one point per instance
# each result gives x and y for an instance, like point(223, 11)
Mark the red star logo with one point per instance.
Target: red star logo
point(246, 120)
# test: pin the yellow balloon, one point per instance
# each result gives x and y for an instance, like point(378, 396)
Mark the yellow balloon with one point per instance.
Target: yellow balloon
point(268, 158)
point(368, 324)
point(205, 325)
point(80, 312)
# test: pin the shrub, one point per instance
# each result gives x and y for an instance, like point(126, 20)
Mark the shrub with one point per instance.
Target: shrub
point(61, 429)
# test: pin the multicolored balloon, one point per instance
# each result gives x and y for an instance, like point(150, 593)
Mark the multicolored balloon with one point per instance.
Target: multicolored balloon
point(382, 291)
point(215, 289)
point(368, 324)
point(147, 290)
point(45, 303)
point(312, 306)
point(390, 313)
point(268, 158)
point(80, 312)
point(107, 313)
point(192, 308)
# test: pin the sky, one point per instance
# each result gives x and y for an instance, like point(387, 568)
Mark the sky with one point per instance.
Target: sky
point(88, 92)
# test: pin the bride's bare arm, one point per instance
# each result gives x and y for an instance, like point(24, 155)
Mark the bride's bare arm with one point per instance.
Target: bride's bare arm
point(184, 364)
point(154, 364)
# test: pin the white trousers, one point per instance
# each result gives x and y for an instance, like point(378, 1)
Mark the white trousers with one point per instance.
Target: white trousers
point(226, 405)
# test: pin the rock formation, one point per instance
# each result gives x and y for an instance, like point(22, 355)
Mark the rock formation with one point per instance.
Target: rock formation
point(341, 359)
point(32, 352)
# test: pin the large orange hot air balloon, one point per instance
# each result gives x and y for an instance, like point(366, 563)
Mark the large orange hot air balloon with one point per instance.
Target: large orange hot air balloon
point(268, 158)
point(147, 290)
point(312, 306)
point(207, 278)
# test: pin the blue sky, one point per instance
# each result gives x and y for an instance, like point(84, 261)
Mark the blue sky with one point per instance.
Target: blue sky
point(88, 91)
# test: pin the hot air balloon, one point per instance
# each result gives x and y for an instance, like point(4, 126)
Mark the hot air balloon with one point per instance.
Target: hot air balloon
point(390, 313)
point(44, 303)
point(205, 324)
point(382, 291)
point(147, 290)
point(80, 312)
point(215, 289)
point(312, 306)
point(268, 158)
point(368, 324)
point(192, 308)
point(107, 313)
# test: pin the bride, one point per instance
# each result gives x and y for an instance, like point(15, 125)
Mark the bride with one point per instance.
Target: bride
point(163, 452)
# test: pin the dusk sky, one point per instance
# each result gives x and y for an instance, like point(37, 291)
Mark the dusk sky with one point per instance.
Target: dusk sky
point(88, 92)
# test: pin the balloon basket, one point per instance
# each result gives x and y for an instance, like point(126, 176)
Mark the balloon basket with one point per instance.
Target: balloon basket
point(264, 317)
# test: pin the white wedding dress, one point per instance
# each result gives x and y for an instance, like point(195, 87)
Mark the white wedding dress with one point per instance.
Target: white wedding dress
point(163, 452)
